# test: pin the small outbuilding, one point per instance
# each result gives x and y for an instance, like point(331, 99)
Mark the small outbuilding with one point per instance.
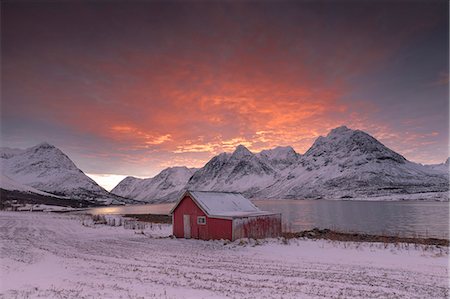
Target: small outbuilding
point(209, 215)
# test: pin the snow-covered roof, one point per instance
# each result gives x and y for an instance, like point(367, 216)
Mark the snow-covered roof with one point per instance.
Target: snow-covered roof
point(223, 204)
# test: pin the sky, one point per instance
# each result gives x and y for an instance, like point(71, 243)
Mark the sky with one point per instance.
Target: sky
point(132, 87)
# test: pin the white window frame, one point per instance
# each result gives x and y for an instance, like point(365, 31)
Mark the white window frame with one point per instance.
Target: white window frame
point(201, 220)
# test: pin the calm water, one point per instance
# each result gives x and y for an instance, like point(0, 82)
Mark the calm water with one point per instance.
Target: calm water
point(425, 219)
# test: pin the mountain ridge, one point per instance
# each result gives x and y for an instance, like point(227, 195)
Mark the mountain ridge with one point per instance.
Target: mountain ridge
point(345, 163)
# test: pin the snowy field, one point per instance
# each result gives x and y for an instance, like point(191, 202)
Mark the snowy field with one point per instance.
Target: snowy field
point(63, 256)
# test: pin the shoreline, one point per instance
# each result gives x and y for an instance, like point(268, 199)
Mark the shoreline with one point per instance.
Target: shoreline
point(317, 234)
point(314, 233)
point(327, 234)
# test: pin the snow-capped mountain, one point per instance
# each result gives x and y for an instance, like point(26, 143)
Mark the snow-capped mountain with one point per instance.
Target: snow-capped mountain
point(241, 171)
point(350, 163)
point(344, 164)
point(167, 185)
point(350, 147)
point(280, 157)
point(443, 168)
point(46, 168)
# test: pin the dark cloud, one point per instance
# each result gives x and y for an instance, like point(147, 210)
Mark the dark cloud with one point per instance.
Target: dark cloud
point(130, 87)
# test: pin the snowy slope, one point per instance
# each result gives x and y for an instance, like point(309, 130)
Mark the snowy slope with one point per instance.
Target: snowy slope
point(46, 168)
point(7, 183)
point(167, 185)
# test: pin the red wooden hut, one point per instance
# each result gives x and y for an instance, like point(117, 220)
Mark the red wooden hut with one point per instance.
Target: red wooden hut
point(221, 215)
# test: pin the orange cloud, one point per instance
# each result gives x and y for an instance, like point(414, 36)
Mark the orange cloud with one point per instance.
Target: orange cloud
point(186, 91)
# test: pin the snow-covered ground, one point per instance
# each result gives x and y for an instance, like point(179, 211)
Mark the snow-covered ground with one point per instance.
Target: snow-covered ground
point(66, 256)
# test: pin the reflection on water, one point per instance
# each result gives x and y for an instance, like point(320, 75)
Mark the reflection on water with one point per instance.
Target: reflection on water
point(163, 208)
point(424, 219)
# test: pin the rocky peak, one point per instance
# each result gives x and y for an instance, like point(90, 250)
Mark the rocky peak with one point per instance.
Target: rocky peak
point(344, 143)
point(340, 131)
point(279, 152)
point(280, 157)
point(241, 152)
point(44, 145)
point(171, 171)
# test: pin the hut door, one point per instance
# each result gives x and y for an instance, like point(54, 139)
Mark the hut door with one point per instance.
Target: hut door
point(187, 226)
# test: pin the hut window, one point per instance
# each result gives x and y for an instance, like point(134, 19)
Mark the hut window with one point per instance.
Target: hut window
point(201, 220)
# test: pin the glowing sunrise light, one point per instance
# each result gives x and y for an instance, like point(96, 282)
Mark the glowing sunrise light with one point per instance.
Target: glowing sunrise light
point(107, 181)
point(155, 85)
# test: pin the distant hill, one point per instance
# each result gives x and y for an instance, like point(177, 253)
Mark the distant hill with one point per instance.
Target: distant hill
point(44, 170)
point(165, 186)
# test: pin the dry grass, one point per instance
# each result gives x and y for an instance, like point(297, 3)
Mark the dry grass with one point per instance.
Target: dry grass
point(152, 218)
point(357, 237)
point(118, 220)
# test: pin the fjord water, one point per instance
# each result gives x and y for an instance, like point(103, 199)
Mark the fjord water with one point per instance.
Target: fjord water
point(402, 218)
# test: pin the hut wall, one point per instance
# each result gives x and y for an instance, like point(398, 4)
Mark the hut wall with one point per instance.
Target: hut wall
point(213, 229)
point(257, 227)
